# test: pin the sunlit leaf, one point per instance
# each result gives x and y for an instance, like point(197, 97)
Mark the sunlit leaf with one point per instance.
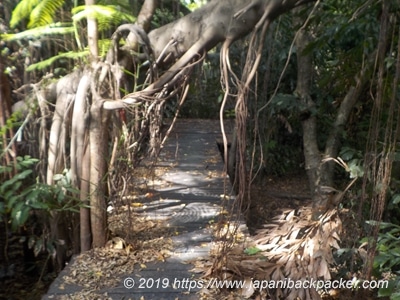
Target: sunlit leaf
point(53, 29)
point(44, 12)
point(48, 62)
point(252, 250)
point(22, 11)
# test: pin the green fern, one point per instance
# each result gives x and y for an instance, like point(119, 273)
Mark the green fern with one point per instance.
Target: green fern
point(104, 45)
point(22, 11)
point(48, 62)
point(56, 28)
point(39, 12)
point(106, 15)
point(43, 13)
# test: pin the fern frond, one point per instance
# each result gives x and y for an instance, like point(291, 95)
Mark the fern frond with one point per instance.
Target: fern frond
point(104, 46)
point(106, 15)
point(56, 28)
point(43, 13)
point(48, 62)
point(22, 11)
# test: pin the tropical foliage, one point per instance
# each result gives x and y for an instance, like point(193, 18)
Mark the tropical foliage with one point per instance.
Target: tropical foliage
point(41, 24)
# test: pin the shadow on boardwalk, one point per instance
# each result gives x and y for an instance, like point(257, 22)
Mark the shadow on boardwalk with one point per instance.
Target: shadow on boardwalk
point(188, 200)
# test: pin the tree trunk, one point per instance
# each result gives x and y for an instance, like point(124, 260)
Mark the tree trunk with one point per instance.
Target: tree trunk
point(92, 34)
point(9, 155)
point(320, 173)
point(85, 227)
point(304, 73)
point(98, 170)
point(59, 223)
point(146, 14)
point(312, 155)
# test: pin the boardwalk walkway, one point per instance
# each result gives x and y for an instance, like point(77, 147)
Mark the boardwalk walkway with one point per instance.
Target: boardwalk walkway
point(189, 202)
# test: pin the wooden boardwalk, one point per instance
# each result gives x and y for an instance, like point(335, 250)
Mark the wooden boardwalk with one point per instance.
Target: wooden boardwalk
point(189, 202)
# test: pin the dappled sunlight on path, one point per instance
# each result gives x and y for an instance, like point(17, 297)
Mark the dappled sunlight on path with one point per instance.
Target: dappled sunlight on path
point(186, 200)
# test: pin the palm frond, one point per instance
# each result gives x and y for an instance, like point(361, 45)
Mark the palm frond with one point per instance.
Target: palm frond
point(56, 28)
point(22, 11)
point(106, 15)
point(44, 12)
point(104, 45)
point(48, 62)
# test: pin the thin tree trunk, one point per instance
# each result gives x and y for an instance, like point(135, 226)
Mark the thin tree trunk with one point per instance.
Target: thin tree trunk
point(333, 141)
point(98, 153)
point(85, 232)
point(92, 34)
point(304, 73)
point(80, 158)
point(98, 171)
point(79, 127)
point(312, 155)
point(321, 173)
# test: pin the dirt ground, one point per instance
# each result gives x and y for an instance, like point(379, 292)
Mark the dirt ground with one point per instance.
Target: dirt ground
point(274, 194)
point(269, 197)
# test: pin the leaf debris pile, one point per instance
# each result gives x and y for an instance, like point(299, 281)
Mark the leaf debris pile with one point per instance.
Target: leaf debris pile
point(144, 241)
point(291, 246)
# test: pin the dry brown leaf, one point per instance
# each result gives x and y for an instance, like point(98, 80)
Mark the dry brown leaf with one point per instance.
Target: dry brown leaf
point(323, 269)
point(247, 289)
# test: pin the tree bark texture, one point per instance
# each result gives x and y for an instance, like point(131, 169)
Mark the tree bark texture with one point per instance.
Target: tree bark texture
point(177, 44)
point(215, 22)
point(304, 77)
point(92, 33)
point(312, 154)
point(320, 173)
point(98, 171)
point(5, 114)
point(79, 126)
point(85, 225)
point(80, 158)
point(65, 92)
point(146, 14)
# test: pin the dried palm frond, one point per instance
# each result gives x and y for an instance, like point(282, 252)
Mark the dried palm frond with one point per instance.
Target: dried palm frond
point(291, 248)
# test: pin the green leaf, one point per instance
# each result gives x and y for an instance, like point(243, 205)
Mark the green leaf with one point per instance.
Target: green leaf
point(396, 199)
point(28, 161)
point(39, 246)
point(106, 15)
point(43, 13)
point(48, 62)
point(22, 11)
point(19, 215)
point(31, 241)
point(40, 205)
point(11, 184)
point(12, 200)
point(52, 29)
point(381, 260)
point(58, 177)
point(252, 250)
point(388, 291)
point(60, 196)
point(51, 249)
